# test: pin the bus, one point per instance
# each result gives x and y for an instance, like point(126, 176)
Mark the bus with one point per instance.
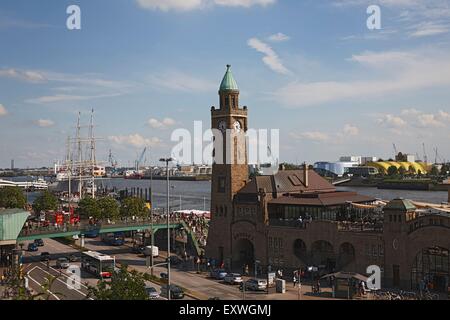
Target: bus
point(98, 264)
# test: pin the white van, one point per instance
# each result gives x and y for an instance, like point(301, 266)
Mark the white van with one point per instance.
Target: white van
point(151, 250)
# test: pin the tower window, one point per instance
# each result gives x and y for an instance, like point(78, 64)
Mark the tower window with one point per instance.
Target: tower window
point(227, 102)
point(233, 102)
point(221, 186)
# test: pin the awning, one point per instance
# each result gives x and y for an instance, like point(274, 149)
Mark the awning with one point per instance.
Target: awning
point(346, 275)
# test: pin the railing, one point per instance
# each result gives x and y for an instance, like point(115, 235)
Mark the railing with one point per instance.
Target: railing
point(288, 223)
point(86, 227)
point(359, 227)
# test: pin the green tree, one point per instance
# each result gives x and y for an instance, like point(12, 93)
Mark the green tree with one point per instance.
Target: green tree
point(401, 171)
point(392, 171)
point(445, 168)
point(88, 207)
point(12, 197)
point(45, 202)
point(133, 206)
point(434, 171)
point(109, 208)
point(123, 285)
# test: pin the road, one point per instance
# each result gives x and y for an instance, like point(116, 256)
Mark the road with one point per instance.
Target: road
point(202, 286)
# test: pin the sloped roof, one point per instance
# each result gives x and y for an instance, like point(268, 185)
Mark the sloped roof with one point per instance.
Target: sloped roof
point(323, 199)
point(228, 82)
point(400, 204)
point(288, 181)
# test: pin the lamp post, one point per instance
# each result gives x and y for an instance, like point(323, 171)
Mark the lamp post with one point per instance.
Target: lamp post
point(166, 161)
point(151, 220)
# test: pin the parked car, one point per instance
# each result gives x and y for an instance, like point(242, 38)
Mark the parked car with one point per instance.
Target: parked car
point(254, 285)
point(164, 275)
point(39, 242)
point(32, 247)
point(175, 292)
point(233, 278)
point(218, 274)
point(138, 249)
point(45, 256)
point(62, 263)
point(152, 293)
point(174, 260)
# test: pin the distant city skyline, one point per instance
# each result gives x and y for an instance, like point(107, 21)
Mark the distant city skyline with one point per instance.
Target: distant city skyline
point(148, 67)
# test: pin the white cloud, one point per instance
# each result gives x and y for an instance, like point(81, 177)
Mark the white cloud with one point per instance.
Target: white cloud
point(135, 140)
point(178, 81)
point(24, 75)
point(391, 121)
point(270, 58)
point(416, 18)
point(414, 118)
point(68, 98)
point(43, 123)
point(165, 123)
point(244, 3)
point(395, 72)
point(430, 29)
point(188, 5)
point(444, 115)
point(279, 37)
point(316, 136)
point(350, 130)
point(3, 111)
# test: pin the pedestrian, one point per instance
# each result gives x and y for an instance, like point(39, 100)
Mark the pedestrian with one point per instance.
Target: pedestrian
point(294, 280)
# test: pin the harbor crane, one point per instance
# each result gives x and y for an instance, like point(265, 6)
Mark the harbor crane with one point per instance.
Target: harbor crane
point(112, 160)
point(425, 157)
point(139, 160)
point(437, 156)
point(395, 150)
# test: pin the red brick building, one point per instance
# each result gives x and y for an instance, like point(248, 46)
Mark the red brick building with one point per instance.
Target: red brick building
point(296, 219)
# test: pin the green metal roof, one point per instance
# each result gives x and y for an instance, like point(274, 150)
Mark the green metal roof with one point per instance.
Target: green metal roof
point(228, 82)
point(11, 223)
point(400, 204)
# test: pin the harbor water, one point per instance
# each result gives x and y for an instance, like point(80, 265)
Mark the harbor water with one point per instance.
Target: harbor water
point(196, 194)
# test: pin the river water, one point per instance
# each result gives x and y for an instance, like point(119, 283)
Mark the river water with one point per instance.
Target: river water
point(197, 194)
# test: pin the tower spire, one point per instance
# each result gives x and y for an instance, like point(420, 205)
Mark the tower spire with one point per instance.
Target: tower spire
point(228, 82)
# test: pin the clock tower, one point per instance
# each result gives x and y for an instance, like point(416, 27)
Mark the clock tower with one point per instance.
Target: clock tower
point(230, 167)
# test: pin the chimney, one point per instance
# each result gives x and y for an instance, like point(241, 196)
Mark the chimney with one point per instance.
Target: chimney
point(305, 175)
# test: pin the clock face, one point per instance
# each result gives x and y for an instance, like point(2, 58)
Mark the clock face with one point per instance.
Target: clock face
point(222, 126)
point(237, 126)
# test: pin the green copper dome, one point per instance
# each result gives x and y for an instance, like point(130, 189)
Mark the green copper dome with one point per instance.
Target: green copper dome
point(228, 82)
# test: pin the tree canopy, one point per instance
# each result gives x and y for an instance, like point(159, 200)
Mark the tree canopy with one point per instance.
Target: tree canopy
point(88, 207)
point(133, 207)
point(123, 285)
point(45, 202)
point(392, 170)
point(12, 197)
point(109, 208)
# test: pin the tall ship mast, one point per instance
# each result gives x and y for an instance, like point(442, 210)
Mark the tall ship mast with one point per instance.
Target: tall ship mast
point(80, 168)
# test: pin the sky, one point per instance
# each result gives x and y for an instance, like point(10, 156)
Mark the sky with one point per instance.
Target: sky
point(310, 68)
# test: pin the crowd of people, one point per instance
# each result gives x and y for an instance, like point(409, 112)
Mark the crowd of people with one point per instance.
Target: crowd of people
point(198, 224)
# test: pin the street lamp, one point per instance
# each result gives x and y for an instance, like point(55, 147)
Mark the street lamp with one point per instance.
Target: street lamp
point(151, 219)
point(167, 161)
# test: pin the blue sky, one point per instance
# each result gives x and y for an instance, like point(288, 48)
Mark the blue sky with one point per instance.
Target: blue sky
point(309, 68)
